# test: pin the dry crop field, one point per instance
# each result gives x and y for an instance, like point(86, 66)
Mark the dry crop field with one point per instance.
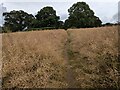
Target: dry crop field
point(76, 58)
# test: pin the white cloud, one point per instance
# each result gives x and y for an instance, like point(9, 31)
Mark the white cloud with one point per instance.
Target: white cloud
point(115, 18)
point(59, 0)
point(2, 10)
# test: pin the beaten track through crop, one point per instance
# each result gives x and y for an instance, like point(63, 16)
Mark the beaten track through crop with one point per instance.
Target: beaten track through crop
point(79, 58)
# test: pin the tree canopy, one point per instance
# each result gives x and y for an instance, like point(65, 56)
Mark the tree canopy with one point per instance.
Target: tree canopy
point(47, 17)
point(81, 16)
point(18, 20)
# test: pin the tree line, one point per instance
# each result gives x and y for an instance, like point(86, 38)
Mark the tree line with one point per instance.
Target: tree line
point(80, 16)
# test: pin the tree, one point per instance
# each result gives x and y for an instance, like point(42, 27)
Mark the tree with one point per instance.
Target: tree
point(108, 24)
point(0, 29)
point(81, 16)
point(60, 25)
point(18, 20)
point(47, 17)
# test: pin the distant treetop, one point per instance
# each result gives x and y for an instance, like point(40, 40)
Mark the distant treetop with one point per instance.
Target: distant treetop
point(81, 16)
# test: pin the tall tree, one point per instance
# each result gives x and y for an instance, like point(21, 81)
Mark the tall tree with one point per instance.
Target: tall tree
point(47, 17)
point(18, 20)
point(81, 16)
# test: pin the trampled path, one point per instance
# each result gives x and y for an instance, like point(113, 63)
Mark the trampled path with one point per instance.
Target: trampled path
point(70, 76)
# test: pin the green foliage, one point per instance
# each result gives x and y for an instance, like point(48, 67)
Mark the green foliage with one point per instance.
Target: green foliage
point(43, 28)
point(108, 24)
point(0, 29)
point(81, 16)
point(47, 17)
point(18, 20)
point(60, 24)
point(6, 30)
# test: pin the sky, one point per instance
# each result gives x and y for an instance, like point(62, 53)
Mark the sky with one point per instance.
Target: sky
point(106, 10)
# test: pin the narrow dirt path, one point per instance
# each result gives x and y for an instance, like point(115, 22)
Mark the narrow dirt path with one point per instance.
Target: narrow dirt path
point(70, 73)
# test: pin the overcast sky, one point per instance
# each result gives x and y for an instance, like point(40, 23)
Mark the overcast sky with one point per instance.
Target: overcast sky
point(105, 9)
